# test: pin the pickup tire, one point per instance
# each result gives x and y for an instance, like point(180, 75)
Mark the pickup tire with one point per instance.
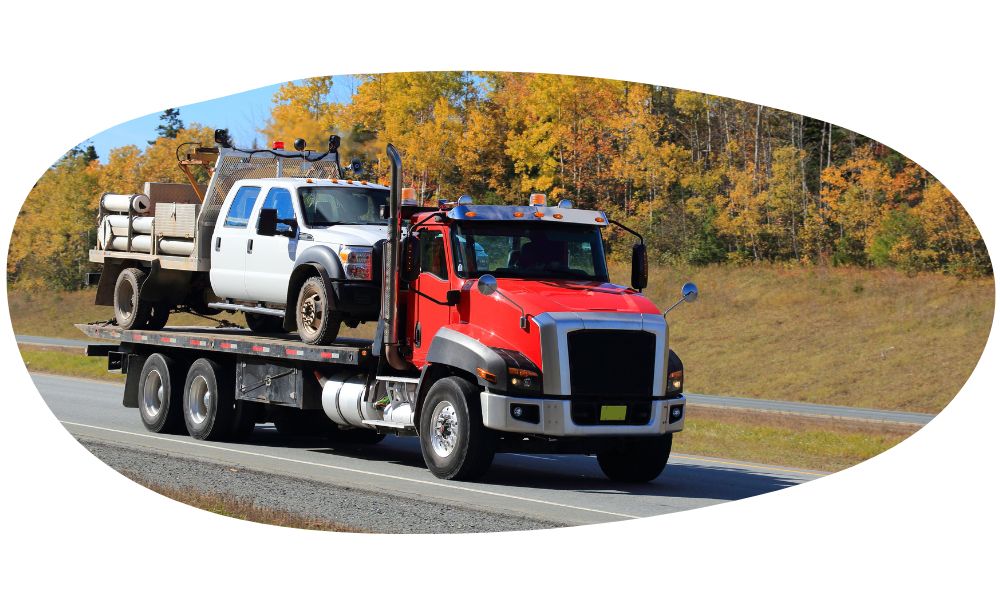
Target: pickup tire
point(453, 440)
point(158, 316)
point(317, 321)
point(130, 311)
point(264, 323)
point(210, 401)
point(636, 460)
point(160, 395)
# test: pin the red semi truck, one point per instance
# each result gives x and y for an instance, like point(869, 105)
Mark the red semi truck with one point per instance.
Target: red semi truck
point(498, 331)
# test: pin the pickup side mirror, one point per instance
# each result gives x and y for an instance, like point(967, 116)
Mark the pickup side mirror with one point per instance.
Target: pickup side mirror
point(267, 224)
point(410, 269)
point(640, 267)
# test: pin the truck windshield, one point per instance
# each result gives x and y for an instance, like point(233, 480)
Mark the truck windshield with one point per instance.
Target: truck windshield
point(529, 251)
point(326, 206)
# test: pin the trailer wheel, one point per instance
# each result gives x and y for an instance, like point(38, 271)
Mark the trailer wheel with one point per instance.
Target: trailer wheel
point(159, 396)
point(209, 401)
point(158, 316)
point(636, 460)
point(317, 321)
point(264, 323)
point(453, 440)
point(130, 311)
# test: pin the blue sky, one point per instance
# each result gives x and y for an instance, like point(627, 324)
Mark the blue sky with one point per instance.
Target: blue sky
point(243, 114)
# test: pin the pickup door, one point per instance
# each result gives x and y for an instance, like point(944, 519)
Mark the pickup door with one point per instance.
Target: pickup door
point(229, 245)
point(270, 259)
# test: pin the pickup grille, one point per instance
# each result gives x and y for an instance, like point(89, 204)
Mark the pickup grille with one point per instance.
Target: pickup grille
point(611, 363)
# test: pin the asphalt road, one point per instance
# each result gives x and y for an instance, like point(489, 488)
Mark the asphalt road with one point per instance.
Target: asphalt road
point(780, 406)
point(566, 490)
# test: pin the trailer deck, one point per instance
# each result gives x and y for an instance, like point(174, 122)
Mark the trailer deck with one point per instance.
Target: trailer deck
point(233, 340)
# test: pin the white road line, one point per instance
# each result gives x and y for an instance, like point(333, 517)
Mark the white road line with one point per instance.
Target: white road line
point(358, 471)
point(530, 456)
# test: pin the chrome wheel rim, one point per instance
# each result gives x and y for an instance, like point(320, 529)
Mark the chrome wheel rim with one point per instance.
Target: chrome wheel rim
point(152, 395)
point(200, 400)
point(444, 429)
point(311, 312)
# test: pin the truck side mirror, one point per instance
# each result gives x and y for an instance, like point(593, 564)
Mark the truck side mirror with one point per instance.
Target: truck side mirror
point(267, 223)
point(640, 267)
point(410, 269)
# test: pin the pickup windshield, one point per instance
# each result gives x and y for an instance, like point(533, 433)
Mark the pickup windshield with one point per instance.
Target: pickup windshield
point(529, 251)
point(326, 206)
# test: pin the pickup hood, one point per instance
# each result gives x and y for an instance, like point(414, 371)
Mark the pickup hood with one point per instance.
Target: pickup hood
point(574, 296)
point(353, 235)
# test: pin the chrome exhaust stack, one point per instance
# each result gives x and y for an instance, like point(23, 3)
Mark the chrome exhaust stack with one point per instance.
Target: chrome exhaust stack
point(390, 270)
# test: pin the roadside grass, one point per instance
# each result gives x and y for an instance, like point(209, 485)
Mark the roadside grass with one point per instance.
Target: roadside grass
point(229, 505)
point(66, 361)
point(790, 440)
point(849, 336)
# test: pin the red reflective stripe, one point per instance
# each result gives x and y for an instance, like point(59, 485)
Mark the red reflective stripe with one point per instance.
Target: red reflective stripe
point(260, 349)
point(293, 352)
point(136, 337)
point(326, 354)
point(199, 343)
point(228, 346)
point(168, 340)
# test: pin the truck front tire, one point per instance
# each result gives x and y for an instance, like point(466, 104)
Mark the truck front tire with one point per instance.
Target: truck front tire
point(130, 311)
point(317, 321)
point(636, 460)
point(160, 397)
point(210, 401)
point(453, 440)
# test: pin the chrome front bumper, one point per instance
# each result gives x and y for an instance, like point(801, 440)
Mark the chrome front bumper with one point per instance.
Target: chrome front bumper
point(555, 419)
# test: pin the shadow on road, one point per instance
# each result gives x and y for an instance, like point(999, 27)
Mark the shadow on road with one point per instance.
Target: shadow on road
point(681, 479)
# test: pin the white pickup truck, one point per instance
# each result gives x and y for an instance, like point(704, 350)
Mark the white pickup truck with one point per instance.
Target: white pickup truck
point(280, 236)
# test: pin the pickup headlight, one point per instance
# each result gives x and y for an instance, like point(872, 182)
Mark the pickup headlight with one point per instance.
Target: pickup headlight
point(357, 261)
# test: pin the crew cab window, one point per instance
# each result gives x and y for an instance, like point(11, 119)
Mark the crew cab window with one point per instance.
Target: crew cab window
point(242, 206)
point(323, 206)
point(432, 258)
point(280, 199)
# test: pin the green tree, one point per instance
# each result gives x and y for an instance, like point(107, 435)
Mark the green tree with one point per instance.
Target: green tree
point(170, 125)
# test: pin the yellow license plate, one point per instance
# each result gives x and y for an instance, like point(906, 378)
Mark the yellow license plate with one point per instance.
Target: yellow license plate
point(613, 413)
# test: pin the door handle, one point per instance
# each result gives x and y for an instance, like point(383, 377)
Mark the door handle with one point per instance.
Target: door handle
point(218, 243)
point(250, 246)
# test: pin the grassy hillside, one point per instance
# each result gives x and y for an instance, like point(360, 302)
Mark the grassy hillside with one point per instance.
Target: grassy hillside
point(848, 336)
point(856, 337)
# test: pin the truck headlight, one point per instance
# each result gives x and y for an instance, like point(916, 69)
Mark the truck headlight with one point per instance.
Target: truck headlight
point(524, 379)
point(357, 261)
point(675, 383)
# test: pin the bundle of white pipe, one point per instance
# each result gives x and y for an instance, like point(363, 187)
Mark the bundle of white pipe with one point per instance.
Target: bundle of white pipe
point(141, 243)
point(117, 225)
point(122, 202)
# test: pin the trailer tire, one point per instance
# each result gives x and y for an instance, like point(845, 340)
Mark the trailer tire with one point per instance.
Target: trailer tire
point(264, 323)
point(636, 460)
point(131, 312)
point(317, 321)
point(453, 440)
point(160, 399)
point(210, 401)
point(158, 316)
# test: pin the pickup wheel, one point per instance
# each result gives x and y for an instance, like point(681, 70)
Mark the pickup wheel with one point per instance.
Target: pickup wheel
point(160, 395)
point(210, 401)
point(264, 323)
point(317, 321)
point(158, 316)
point(636, 460)
point(453, 440)
point(130, 311)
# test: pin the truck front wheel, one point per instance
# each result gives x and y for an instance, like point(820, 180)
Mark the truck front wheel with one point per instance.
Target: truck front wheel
point(453, 440)
point(130, 311)
point(318, 323)
point(636, 460)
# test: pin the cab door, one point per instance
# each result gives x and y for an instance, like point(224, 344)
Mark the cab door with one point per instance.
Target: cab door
point(229, 245)
point(432, 285)
point(270, 259)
